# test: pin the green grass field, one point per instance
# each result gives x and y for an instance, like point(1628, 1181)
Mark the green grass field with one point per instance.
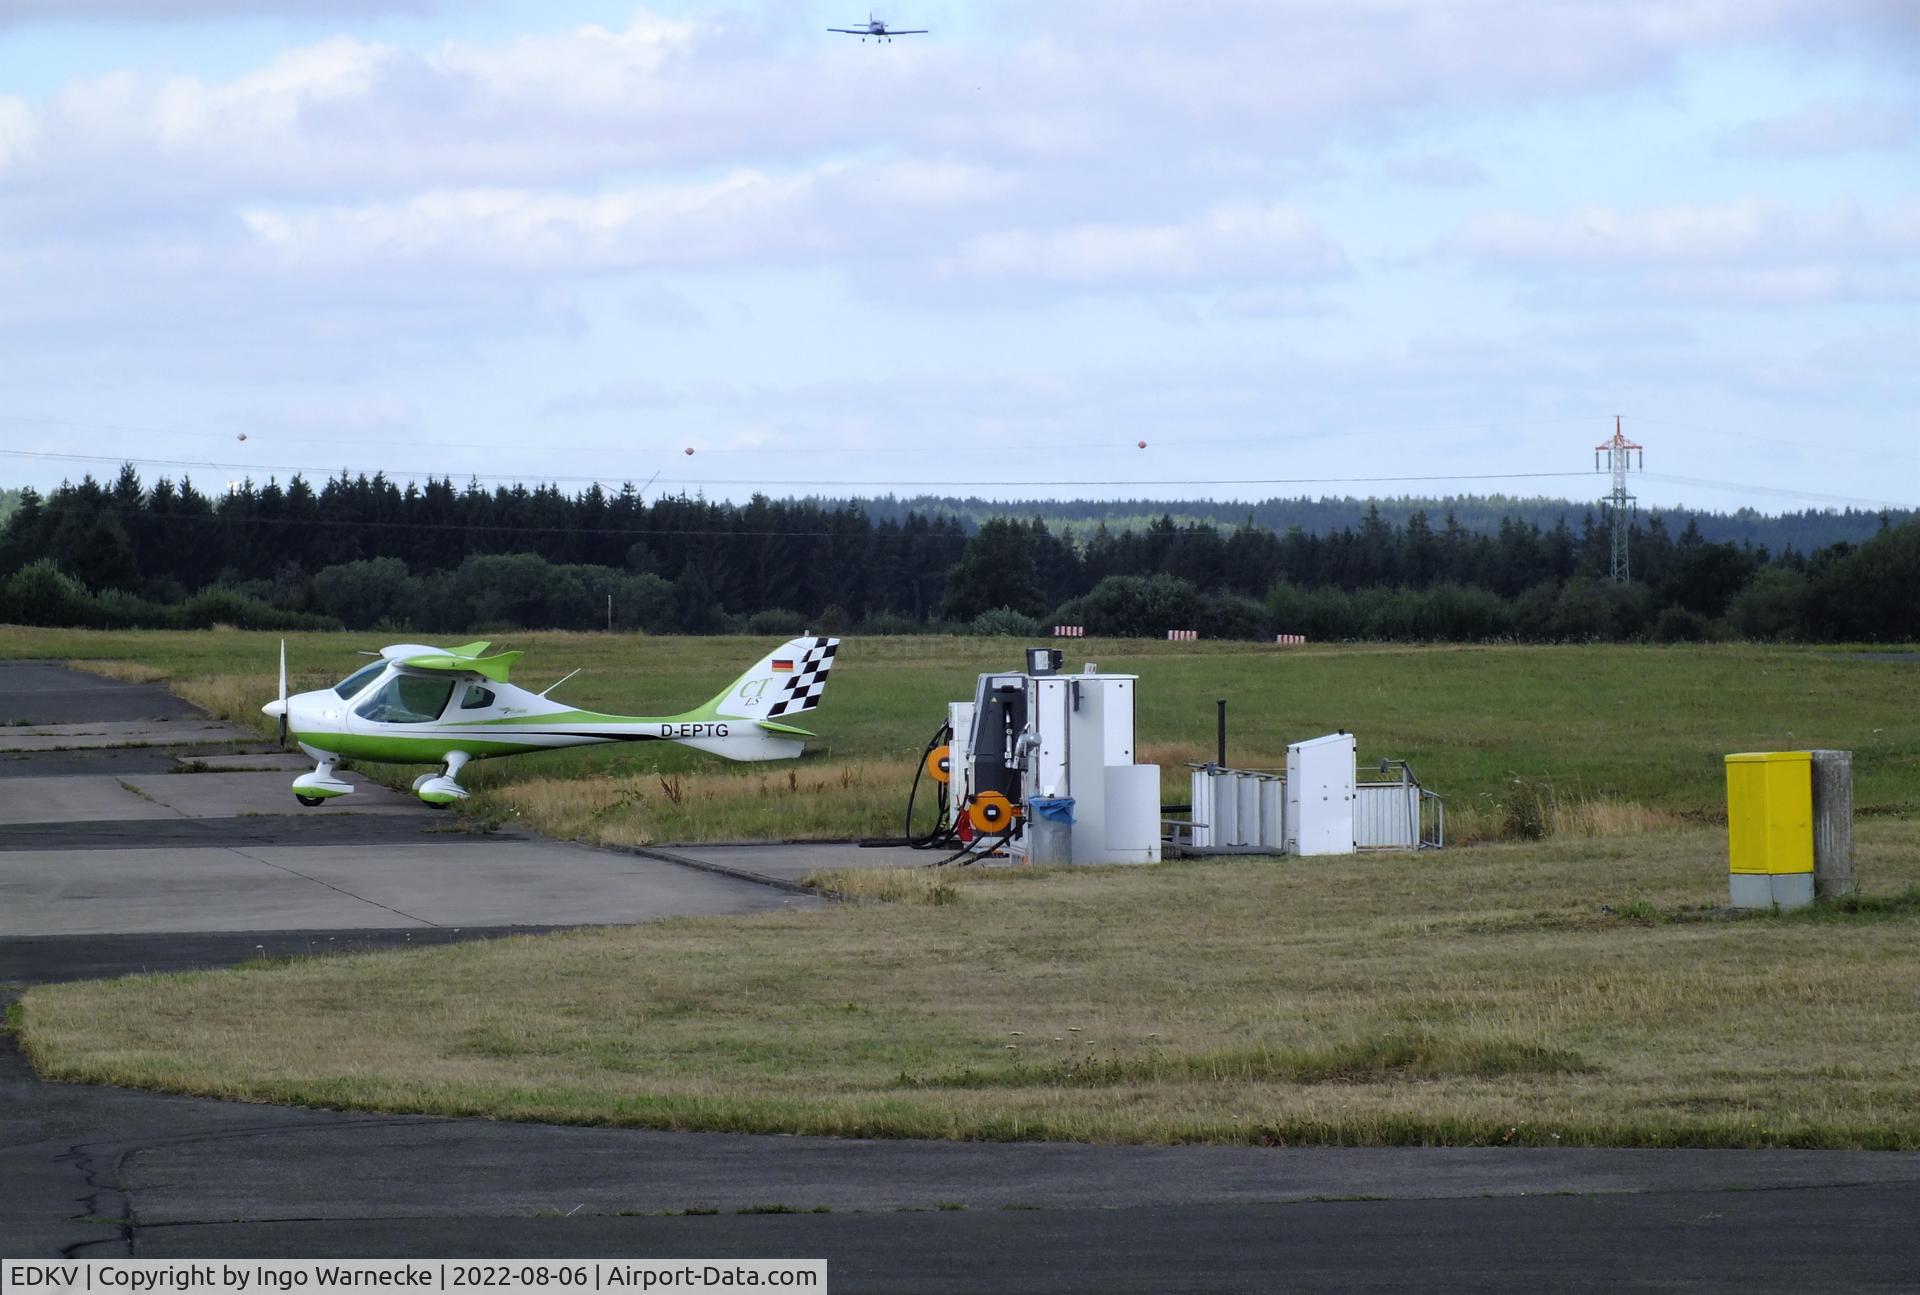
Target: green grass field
point(1638, 725)
point(1480, 996)
point(1578, 989)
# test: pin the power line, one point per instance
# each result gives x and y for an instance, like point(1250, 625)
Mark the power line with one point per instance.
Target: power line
point(1822, 447)
point(324, 473)
point(482, 528)
point(813, 451)
point(941, 483)
point(1777, 491)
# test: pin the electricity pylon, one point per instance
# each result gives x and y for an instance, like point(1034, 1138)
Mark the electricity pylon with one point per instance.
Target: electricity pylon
point(1619, 452)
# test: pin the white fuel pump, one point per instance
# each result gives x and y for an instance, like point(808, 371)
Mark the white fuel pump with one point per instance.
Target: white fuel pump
point(1046, 761)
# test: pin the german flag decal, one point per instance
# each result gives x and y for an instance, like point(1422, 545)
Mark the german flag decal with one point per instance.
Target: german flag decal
point(781, 666)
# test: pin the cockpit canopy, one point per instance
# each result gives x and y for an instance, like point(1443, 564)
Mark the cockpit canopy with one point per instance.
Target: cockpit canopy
point(412, 683)
point(407, 699)
point(349, 688)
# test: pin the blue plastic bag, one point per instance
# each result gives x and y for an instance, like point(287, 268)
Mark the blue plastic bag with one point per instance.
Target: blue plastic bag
point(1055, 809)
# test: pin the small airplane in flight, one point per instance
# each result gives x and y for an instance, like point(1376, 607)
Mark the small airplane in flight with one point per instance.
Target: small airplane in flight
point(446, 706)
point(879, 30)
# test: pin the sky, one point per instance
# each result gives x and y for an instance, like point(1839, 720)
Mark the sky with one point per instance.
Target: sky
point(1370, 247)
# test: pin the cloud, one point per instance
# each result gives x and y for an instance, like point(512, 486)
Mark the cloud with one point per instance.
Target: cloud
point(187, 312)
point(1281, 69)
point(333, 418)
point(1747, 253)
point(1228, 243)
point(1787, 285)
point(1827, 126)
point(1437, 171)
point(740, 216)
point(19, 132)
point(576, 105)
point(745, 216)
point(654, 303)
point(1752, 229)
point(1273, 301)
point(15, 13)
point(356, 203)
point(637, 394)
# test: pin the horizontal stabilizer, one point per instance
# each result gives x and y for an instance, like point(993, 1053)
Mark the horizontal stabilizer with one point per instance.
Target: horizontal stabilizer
point(786, 730)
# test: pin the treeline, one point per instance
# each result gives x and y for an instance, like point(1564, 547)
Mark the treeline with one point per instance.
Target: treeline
point(1418, 583)
point(166, 542)
point(366, 553)
point(1805, 530)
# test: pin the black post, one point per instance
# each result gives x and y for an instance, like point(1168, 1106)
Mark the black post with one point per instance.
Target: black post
point(1223, 733)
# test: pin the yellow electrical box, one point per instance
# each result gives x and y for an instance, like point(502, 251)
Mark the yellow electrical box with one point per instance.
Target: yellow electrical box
point(1770, 812)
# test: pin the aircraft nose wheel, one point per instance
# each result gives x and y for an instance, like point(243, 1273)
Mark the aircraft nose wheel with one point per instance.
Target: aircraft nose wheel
point(316, 788)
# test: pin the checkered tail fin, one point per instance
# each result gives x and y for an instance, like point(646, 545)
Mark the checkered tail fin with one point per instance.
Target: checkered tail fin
point(788, 681)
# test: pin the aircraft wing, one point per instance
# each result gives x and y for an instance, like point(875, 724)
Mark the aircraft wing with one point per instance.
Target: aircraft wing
point(908, 31)
point(851, 31)
point(491, 667)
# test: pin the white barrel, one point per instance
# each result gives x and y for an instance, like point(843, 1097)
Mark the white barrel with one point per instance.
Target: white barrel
point(1226, 809)
point(1273, 828)
point(1247, 819)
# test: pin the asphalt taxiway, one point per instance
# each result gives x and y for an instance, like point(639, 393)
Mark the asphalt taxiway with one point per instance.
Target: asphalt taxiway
point(201, 875)
point(151, 818)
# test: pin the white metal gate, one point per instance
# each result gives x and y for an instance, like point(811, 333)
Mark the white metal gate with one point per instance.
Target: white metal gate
point(1246, 810)
point(1397, 816)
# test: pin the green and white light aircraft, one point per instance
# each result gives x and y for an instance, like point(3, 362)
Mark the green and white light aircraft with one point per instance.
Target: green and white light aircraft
point(427, 705)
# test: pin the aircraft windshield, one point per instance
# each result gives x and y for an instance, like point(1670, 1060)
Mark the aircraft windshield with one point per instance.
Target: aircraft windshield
point(354, 682)
point(407, 699)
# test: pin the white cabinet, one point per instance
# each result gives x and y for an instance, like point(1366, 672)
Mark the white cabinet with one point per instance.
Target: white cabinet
point(1320, 779)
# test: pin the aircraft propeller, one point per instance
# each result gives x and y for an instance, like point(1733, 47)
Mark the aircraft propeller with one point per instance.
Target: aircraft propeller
point(283, 692)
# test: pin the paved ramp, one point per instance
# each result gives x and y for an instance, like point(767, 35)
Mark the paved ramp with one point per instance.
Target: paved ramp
point(47, 693)
point(122, 810)
point(790, 863)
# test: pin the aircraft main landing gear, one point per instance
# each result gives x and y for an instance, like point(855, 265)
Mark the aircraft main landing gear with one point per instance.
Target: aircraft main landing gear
point(441, 790)
point(320, 786)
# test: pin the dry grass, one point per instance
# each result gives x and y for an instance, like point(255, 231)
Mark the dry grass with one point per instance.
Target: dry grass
point(771, 802)
point(1575, 990)
point(935, 887)
point(1608, 818)
point(236, 698)
point(1173, 759)
point(129, 671)
point(1489, 822)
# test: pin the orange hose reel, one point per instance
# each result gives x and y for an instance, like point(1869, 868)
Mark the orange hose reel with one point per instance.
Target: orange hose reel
point(991, 813)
